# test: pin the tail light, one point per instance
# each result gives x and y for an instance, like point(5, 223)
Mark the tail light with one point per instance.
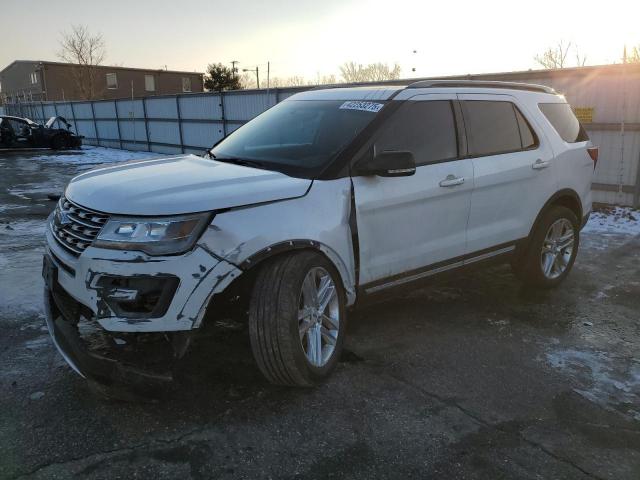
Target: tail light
point(593, 153)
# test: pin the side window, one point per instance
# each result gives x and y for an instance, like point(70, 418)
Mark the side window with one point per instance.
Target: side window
point(564, 121)
point(492, 127)
point(527, 136)
point(425, 128)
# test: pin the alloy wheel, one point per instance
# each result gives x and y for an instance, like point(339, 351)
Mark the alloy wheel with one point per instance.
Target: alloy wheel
point(318, 316)
point(557, 248)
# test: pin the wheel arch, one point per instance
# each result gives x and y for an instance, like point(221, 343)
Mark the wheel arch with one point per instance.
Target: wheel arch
point(253, 262)
point(565, 198)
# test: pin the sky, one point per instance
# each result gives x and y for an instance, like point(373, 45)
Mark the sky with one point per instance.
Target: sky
point(312, 38)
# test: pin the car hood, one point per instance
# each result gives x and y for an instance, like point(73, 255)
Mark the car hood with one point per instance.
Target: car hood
point(179, 184)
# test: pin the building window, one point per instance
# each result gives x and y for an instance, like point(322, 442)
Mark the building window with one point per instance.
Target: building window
point(186, 84)
point(112, 81)
point(150, 83)
point(34, 78)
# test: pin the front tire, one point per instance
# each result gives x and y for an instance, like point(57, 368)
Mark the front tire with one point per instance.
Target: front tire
point(297, 319)
point(552, 249)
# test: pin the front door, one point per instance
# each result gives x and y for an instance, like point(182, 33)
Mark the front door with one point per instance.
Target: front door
point(406, 225)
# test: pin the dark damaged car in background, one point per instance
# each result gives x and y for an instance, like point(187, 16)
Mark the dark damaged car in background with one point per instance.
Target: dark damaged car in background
point(16, 132)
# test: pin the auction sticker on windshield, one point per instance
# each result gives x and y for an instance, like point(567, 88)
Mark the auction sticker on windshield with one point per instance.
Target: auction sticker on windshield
point(364, 106)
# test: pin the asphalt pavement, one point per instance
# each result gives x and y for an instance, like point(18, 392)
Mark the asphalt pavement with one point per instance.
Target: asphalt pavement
point(475, 378)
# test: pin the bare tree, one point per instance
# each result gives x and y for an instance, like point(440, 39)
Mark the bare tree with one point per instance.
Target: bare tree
point(373, 72)
point(247, 81)
point(557, 57)
point(295, 81)
point(581, 60)
point(380, 71)
point(327, 79)
point(554, 57)
point(86, 51)
point(633, 56)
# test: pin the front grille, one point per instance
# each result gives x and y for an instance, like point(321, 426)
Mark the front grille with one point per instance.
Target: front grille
point(76, 227)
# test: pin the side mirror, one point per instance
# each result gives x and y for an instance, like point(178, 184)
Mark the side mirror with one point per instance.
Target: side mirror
point(388, 164)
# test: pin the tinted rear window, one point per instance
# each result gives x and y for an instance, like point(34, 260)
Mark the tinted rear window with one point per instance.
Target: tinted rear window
point(564, 121)
point(493, 128)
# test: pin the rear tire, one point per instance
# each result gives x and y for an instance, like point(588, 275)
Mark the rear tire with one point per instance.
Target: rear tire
point(551, 251)
point(58, 142)
point(297, 319)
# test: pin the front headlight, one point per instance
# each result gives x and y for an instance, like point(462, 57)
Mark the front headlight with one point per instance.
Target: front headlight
point(155, 236)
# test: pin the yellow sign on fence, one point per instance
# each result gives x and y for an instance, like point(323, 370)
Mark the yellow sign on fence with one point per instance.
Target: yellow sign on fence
point(584, 114)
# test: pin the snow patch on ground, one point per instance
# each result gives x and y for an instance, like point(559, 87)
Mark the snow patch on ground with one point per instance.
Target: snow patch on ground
point(603, 381)
point(623, 220)
point(94, 156)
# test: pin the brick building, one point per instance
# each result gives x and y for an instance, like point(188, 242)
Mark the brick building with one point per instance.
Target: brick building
point(31, 80)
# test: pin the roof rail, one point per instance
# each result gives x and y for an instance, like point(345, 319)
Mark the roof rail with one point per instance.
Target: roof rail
point(481, 84)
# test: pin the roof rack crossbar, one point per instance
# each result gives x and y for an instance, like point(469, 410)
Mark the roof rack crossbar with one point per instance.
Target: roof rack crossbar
point(481, 84)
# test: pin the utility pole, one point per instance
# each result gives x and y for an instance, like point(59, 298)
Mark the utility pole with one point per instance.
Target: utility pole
point(234, 70)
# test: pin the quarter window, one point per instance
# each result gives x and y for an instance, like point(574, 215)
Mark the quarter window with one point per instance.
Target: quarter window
point(564, 121)
point(150, 83)
point(112, 81)
point(425, 128)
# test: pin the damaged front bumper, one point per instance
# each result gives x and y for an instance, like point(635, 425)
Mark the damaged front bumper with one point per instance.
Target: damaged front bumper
point(123, 316)
point(103, 357)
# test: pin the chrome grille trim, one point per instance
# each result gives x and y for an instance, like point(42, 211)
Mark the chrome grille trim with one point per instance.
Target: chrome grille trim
point(75, 227)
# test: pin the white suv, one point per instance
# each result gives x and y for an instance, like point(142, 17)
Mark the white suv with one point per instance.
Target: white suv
point(326, 199)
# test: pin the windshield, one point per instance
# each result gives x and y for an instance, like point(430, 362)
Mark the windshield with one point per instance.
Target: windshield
point(298, 137)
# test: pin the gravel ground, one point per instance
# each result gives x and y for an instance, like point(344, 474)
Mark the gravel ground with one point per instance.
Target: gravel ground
point(474, 378)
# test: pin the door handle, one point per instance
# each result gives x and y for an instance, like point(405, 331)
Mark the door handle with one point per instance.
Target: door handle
point(452, 181)
point(539, 164)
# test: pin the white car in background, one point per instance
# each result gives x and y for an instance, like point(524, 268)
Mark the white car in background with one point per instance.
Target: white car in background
point(324, 201)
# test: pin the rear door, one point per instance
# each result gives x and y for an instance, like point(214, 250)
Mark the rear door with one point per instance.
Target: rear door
point(406, 224)
point(513, 171)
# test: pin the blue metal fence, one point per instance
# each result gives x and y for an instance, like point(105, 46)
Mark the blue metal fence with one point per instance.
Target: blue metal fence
point(184, 123)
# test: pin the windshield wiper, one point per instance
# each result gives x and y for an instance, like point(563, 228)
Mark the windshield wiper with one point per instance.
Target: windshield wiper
point(239, 161)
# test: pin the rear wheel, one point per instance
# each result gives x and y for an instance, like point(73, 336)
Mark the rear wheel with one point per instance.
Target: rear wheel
point(297, 319)
point(58, 142)
point(552, 249)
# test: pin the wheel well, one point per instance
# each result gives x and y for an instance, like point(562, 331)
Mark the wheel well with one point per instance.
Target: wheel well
point(235, 298)
point(564, 198)
point(569, 201)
